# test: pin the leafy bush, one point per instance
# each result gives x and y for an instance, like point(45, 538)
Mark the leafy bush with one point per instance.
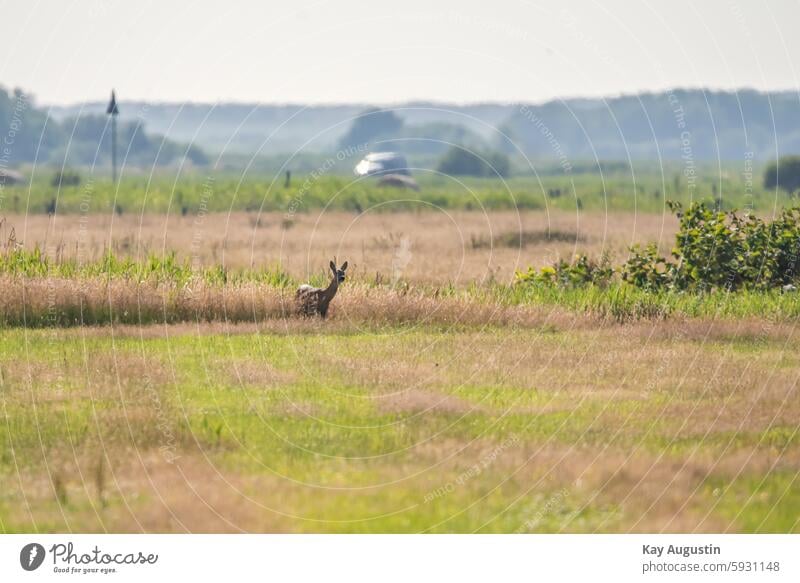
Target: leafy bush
point(581, 271)
point(714, 250)
point(721, 250)
point(647, 269)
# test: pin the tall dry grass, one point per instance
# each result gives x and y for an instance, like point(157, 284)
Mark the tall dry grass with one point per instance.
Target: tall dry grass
point(429, 247)
point(58, 301)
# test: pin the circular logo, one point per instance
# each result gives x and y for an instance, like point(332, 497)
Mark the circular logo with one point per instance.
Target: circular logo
point(31, 556)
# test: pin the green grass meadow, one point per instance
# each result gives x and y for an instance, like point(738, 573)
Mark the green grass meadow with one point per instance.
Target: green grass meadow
point(410, 429)
point(141, 394)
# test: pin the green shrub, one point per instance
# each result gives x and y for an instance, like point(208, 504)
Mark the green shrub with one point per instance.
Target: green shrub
point(714, 250)
point(646, 269)
point(581, 271)
point(721, 250)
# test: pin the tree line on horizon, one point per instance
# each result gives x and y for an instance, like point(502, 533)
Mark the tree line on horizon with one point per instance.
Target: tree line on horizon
point(30, 135)
point(691, 126)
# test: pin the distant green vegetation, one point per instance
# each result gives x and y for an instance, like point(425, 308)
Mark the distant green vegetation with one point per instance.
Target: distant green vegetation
point(459, 161)
point(783, 174)
point(645, 190)
point(153, 269)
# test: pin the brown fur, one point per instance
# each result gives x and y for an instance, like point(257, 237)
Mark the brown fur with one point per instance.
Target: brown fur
point(314, 300)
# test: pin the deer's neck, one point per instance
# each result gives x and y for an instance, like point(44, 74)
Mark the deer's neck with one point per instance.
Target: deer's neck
point(330, 291)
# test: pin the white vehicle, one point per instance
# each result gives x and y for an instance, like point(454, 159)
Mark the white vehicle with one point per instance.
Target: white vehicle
point(377, 163)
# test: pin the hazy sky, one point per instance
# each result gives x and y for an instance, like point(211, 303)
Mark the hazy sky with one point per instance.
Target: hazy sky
point(380, 51)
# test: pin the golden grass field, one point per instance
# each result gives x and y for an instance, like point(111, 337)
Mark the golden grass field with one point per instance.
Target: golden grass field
point(406, 410)
point(430, 247)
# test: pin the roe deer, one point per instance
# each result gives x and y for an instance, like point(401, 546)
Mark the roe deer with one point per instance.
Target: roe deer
point(314, 300)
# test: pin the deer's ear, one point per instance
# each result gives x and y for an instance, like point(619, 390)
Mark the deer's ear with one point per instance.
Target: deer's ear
point(344, 265)
point(333, 266)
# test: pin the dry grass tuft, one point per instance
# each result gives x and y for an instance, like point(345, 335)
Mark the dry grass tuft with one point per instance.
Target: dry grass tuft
point(52, 301)
point(360, 303)
point(417, 401)
point(522, 239)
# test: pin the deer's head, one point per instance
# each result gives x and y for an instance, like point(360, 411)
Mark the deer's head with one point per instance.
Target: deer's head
point(339, 273)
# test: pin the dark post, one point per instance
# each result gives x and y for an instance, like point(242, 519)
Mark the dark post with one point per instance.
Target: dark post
point(113, 111)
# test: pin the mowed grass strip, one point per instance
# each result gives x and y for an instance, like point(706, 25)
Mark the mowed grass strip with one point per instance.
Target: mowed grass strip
point(418, 429)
